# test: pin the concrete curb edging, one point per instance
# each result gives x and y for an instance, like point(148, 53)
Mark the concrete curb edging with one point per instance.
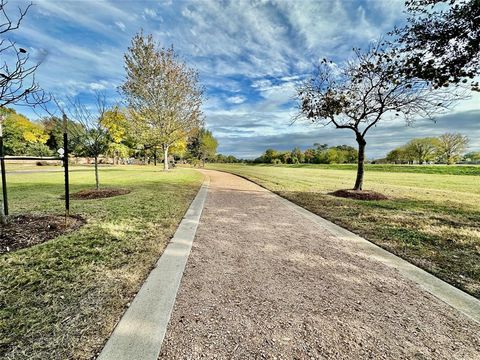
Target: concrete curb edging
point(140, 332)
point(456, 298)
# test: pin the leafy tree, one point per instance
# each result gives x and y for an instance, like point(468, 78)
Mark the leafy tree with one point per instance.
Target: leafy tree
point(208, 145)
point(440, 42)
point(270, 155)
point(309, 156)
point(349, 153)
point(451, 146)
point(422, 149)
point(473, 156)
point(38, 149)
point(116, 124)
point(163, 95)
point(298, 155)
point(53, 127)
point(21, 136)
point(226, 159)
point(117, 151)
point(232, 159)
point(203, 146)
point(179, 149)
point(286, 157)
point(115, 121)
point(397, 156)
point(365, 90)
point(336, 156)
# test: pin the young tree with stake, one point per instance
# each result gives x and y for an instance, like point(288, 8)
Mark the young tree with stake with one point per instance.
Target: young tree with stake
point(91, 133)
point(364, 91)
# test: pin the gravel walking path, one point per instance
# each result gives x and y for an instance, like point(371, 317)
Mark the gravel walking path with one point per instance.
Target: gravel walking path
point(264, 282)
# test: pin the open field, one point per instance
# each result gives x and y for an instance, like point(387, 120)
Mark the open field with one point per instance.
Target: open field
point(62, 298)
point(431, 220)
point(420, 169)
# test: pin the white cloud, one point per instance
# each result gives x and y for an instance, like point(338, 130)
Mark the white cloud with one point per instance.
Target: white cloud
point(236, 99)
point(120, 25)
point(150, 12)
point(250, 55)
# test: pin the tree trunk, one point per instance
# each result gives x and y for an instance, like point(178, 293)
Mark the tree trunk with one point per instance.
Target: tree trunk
point(361, 161)
point(97, 183)
point(155, 156)
point(165, 158)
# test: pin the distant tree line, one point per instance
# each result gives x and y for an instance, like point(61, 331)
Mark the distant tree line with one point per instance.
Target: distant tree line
point(321, 154)
point(227, 159)
point(107, 136)
point(448, 149)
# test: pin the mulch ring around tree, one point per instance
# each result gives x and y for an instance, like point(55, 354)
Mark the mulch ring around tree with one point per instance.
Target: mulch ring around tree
point(24, 231)
point(98, 194)
point(359, 194)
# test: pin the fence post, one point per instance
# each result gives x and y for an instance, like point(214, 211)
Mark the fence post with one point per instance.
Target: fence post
point(65, 168)
point(2, 165)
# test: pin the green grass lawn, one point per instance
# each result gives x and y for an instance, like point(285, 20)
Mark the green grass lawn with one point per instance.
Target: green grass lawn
point(61, 299)
point(432, 220)
point(31, 166)
point(421, 169)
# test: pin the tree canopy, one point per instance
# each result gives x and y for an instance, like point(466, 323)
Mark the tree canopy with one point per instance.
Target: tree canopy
point(163, 95)
point(22, 136)
point(441, 41)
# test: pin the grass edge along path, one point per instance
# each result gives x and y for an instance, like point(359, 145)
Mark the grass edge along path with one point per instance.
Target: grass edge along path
point(439, 169)
point(433, 226)
point(61, 299)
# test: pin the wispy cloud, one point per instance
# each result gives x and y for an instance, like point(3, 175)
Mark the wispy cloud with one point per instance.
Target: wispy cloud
point(250, 55)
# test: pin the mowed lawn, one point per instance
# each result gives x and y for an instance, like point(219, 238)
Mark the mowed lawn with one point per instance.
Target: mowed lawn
point(432, 220)
point(61, 299)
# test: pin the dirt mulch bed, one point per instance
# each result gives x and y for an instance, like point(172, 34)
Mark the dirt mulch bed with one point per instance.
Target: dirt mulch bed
point(359, 195)
point(98, 194)
point(27, 230)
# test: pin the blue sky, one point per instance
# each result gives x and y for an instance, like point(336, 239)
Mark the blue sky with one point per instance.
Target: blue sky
point(250, 55)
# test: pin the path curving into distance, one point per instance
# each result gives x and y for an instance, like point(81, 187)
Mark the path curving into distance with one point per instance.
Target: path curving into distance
point(263, 281)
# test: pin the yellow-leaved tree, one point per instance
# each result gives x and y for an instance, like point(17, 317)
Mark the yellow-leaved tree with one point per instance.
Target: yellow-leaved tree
point(116, 123)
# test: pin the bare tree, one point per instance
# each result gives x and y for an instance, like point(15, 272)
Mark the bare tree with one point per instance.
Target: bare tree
point(92, 135)
point(17, 75)
point(363, 91)
point(163, 95)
